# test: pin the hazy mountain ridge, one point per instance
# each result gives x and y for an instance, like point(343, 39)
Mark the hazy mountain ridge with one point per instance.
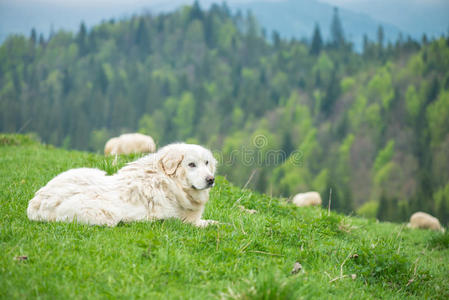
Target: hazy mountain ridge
point(291, 18)
point(297, 19)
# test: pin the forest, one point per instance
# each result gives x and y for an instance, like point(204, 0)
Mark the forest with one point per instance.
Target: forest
point(370, 129)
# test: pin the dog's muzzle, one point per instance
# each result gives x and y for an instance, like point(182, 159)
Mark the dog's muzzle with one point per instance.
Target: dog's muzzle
point(210, 180)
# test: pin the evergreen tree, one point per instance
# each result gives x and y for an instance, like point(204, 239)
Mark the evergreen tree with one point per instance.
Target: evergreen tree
point(287, 144)
point(41, 40)
point(317, 41)
point(367, 49)
point(142, 36)
point(82, 39)
point(365, 42)
point(276, 39)
point(380, 37)
point(332, 93)
point(196, 12)
point(380, 41)
point(102, 79)
point(66, 82)
point(33, 36)
point(336, 30)
point(382, 210)
point(424, 39)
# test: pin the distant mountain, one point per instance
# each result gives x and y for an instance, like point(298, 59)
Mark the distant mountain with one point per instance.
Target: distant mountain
point(411, 16)
point(291, 18)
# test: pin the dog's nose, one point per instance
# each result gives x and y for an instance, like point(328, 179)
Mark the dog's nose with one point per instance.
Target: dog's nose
point(210, 180)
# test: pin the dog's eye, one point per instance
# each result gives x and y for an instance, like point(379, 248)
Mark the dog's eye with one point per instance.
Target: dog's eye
point(207, 162)
point(192, 165)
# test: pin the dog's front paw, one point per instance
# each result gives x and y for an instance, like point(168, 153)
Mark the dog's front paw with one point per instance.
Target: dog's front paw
point(205, 223)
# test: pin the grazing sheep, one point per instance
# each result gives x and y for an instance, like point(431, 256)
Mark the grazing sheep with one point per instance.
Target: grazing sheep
point(130, 143)
point(307, 199)
point(424, 221)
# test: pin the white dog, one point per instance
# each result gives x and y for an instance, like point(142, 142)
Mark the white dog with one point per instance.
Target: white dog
point(172, 183)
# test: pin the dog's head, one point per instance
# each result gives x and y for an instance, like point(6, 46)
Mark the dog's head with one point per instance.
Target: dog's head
point(192, 166)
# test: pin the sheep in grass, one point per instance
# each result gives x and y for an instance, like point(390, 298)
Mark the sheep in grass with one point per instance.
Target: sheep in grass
point(130, 143)
point(307, 199)
point(424, 221)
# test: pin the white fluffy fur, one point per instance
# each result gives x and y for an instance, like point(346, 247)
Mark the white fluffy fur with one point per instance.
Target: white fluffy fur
point(424, 221)
point(307, 199)
point(130, 143)
point(162, 185)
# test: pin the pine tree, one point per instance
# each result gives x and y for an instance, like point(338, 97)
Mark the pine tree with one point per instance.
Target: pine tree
point(317, 41)
point(383, 208)
point(380, 41)
point(196, 12)
point(142, 36)
point(380, 37)
point(82, 39)
point(366, 46)
point(41, 40)
point(337, 34)
point(287, 144)
point(332, 93)
point(276, 39)
point(424, 39)
point(33, 36)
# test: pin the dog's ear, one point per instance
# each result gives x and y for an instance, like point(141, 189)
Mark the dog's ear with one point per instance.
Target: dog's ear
point(170, 162)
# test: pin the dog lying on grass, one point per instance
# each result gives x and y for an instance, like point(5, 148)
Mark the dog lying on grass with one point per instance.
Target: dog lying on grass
point(172, 183)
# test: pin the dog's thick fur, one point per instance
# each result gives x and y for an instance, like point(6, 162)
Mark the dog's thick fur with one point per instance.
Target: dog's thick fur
point(172, 183)
point(130, 143)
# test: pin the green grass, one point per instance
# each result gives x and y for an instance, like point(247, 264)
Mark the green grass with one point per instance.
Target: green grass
point(250, 256)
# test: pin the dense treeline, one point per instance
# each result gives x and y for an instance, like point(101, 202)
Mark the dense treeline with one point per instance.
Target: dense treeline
point(292, 115)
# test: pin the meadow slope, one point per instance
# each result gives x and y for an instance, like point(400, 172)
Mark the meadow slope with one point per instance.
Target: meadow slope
point(249, 256)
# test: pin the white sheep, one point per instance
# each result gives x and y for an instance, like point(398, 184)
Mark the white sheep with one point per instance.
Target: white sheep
point(424, 221)
point(130, 143)
point(307, 199)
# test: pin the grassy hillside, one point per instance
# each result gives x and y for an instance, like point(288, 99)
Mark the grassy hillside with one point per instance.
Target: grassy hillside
point(249, 256)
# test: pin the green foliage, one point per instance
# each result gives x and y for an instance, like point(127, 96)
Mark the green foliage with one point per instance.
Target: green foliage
point(185, 114)
point(440, 241)
point(441, 202)
point(337, 35)
point(347, 84)
point(368, 209)
point(380, 88)
point(384, 156)
point(383, 173)
point(437, 113)
point(317, 41)
point(98, 139)
point(17, 139)
point(412, 101)
point(147, 125)
point(416, 65)
point(323, 67)
point(320, 182)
